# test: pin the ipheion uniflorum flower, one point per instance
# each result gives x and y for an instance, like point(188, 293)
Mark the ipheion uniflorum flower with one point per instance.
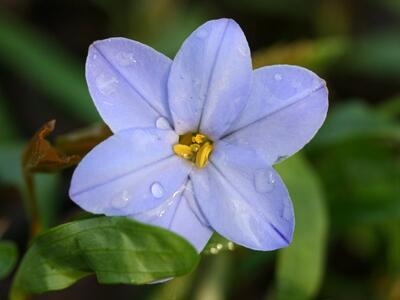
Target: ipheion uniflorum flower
point(195, 138)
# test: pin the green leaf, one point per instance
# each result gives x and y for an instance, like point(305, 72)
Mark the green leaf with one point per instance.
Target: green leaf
point(356, 120)
point(8, 257)
point(362, 181)
point(43, 63)
point(300, 267)
point(117, 250)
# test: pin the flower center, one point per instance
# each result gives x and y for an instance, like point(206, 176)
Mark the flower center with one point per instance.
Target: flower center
point(195, 147)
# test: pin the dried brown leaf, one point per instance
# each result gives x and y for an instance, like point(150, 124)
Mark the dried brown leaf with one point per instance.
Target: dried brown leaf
point(41, 156)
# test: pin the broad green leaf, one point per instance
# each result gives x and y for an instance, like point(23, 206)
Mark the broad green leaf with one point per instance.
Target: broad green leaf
point(300, 266)
point(8, 257)
point(116, 250)
point(362, 181)
point(46, 65)
point(355, 119)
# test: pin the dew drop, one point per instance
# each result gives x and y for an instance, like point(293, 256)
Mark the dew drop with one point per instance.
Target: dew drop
point(213, 250)
point(94, 56)
point(125, 58)
point(201, 33)
point(162, 123)
point(231, 246)
point(106, 85)
point(157, 190)
point(264, 180)
point(219, 246)
point(121, 200)
point(287, 212)
point(243, 50)
point(278, 77)
point(296, 84)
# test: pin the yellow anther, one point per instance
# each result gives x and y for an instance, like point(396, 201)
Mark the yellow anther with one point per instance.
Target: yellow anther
point(199, 138)
point(183, 151)
point(194, 147)
point(202, 155)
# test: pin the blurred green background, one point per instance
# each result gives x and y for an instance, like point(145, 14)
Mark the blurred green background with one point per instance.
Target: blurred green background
point(345, 184)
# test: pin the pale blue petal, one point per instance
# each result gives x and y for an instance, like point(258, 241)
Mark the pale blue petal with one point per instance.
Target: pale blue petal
point(130, 172)
point(244, 199)
point(287, 106)
point(210, 79)
point(128, 83)
point(179, 214)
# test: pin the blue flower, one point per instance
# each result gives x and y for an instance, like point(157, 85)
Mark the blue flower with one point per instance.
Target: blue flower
point(195, 138)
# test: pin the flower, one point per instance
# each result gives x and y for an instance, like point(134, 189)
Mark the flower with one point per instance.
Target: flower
point(195, 138)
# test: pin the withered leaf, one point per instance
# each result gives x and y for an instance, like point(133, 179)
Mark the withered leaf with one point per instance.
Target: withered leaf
point(41, 156)
point(82, 141)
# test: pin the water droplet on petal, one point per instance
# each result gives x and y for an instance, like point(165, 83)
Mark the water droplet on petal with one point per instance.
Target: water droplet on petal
point(296, 84)
point(157, 190)
point(243, 50)
point(278, 77)
point(264, 180)
point(202, 33)
point(106, 85)
point(125, 58)
point(121, 200)
point(94, 56)
point(162, 123)
point(287, 212)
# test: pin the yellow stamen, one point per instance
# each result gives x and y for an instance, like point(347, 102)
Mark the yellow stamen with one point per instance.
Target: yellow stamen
point(195, 147)
point(183, 151)
point(203, 154)
point(199, 138)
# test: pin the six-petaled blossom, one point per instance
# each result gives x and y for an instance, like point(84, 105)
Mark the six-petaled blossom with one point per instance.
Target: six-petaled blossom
point(194, 138)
